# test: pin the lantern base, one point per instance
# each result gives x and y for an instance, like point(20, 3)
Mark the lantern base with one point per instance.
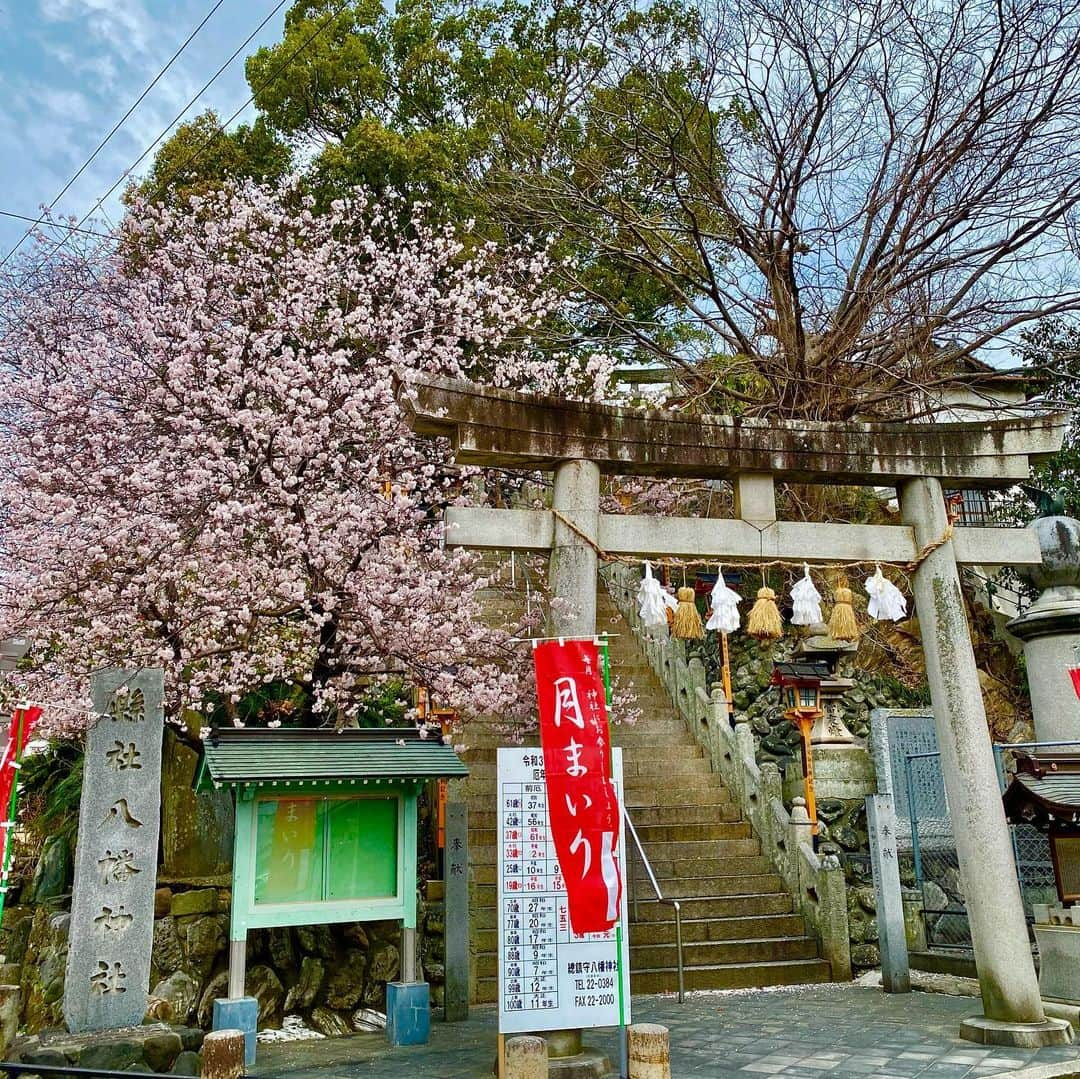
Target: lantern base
point(977, 1028)
point(840, 772)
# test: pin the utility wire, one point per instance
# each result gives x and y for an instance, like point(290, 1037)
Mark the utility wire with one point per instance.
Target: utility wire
point(116, 127)
point(327, 23)
point(213, 78)
point(35, 221)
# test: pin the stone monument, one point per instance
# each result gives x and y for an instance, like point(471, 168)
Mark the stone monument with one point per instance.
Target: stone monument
point(112, 912)
point(1050, 629)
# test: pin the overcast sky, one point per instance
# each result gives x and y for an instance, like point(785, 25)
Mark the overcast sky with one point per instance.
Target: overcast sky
point(69, 69)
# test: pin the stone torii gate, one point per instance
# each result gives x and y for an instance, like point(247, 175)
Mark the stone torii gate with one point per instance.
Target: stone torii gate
point(578, 441)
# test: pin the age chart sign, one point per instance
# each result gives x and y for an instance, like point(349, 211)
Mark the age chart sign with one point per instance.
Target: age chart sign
point(549, 977)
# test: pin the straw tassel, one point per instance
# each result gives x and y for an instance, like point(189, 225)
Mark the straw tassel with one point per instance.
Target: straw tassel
point(842, 624)
point(687, 623)
point(764, 621)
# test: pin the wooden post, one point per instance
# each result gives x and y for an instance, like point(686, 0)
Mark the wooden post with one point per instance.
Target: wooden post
point(650, 1051)
point(805, 723)
point(223, 1054)
point(526, 1057)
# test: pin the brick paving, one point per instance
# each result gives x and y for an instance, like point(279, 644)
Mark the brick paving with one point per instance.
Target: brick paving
point(807, 1031)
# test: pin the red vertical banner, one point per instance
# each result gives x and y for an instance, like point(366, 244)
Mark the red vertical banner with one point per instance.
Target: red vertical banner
point(13, 752)
point(582, 803)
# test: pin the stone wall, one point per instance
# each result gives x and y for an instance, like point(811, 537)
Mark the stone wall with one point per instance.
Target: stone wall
point(328, 975)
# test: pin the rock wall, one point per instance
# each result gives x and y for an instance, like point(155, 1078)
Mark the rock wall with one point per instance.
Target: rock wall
point(327, 974)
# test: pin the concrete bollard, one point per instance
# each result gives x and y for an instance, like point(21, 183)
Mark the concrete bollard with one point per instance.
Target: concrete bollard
point(649, 1051)
point(223, 1054)
point(526, 1058)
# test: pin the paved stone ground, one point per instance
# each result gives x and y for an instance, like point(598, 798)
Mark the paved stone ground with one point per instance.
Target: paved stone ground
point(809, 1032)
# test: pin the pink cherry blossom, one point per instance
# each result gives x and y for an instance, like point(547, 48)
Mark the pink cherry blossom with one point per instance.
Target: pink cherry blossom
point(203, 466)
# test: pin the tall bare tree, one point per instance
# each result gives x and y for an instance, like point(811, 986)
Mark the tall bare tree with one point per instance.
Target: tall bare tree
point(847, 201)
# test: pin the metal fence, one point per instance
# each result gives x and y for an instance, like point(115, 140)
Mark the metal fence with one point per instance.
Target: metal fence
point(932, 848)
point(933, 854)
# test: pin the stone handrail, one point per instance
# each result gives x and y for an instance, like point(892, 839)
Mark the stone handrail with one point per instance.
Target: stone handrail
point(815, 882)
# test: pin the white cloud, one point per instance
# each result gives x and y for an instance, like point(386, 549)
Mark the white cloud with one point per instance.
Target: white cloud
point(115, 22)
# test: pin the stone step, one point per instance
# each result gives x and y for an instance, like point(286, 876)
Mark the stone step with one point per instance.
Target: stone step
point(686, 772)
point(701, 869)
point(701, 930)
point(738, 976)
point(720, 815)
point(644, 737)
point(485, 916)
point(722, 809)
point(634, 754)
point(707, 929)
point(742, 905)
point(720, 953)
point(485, 871)
point(657, 839)
point(701, 831)
point(647, 790)
point(712, 887)
point(694, 850)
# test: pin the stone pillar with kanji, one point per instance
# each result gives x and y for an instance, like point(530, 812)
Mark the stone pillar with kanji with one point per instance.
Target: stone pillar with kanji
point(112, 912)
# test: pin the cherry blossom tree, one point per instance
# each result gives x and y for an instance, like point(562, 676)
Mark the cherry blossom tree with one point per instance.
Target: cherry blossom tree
point(203, 466)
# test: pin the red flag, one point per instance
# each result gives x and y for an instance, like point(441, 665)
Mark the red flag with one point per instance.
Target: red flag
point(1074, 674)
point(581, 798)
point(12, 753)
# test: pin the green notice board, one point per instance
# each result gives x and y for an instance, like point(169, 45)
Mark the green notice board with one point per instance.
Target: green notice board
point(325, 856)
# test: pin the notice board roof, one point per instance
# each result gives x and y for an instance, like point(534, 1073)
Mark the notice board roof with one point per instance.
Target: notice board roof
point(234, 757)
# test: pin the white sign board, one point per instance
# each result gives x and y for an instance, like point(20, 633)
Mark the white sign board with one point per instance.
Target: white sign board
point(549, 978)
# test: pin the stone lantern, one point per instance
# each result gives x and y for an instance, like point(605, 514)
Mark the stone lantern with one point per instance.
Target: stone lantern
point(1050, 630)
point(843, 769)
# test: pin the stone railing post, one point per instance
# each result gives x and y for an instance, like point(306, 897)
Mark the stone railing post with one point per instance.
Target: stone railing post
point(696, 678)
point(800, 833)
point(832, 916)
point(771, 793)
point(744, 748)
point(718, 729)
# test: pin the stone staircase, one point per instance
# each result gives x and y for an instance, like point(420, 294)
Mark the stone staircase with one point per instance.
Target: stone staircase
point(739, 929)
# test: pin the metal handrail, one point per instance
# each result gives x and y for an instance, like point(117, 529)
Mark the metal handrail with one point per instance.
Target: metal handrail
point(659, 898)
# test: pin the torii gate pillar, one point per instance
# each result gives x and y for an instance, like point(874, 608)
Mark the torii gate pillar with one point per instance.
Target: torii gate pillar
point(574, 562)
point(1013, 1009)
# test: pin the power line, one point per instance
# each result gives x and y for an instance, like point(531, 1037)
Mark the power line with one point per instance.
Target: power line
point(116, 127)
point(221, 126)
point(206, 86)
point(35, 221)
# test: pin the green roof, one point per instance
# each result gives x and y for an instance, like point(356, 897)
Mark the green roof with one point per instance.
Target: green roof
point(233, 757)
